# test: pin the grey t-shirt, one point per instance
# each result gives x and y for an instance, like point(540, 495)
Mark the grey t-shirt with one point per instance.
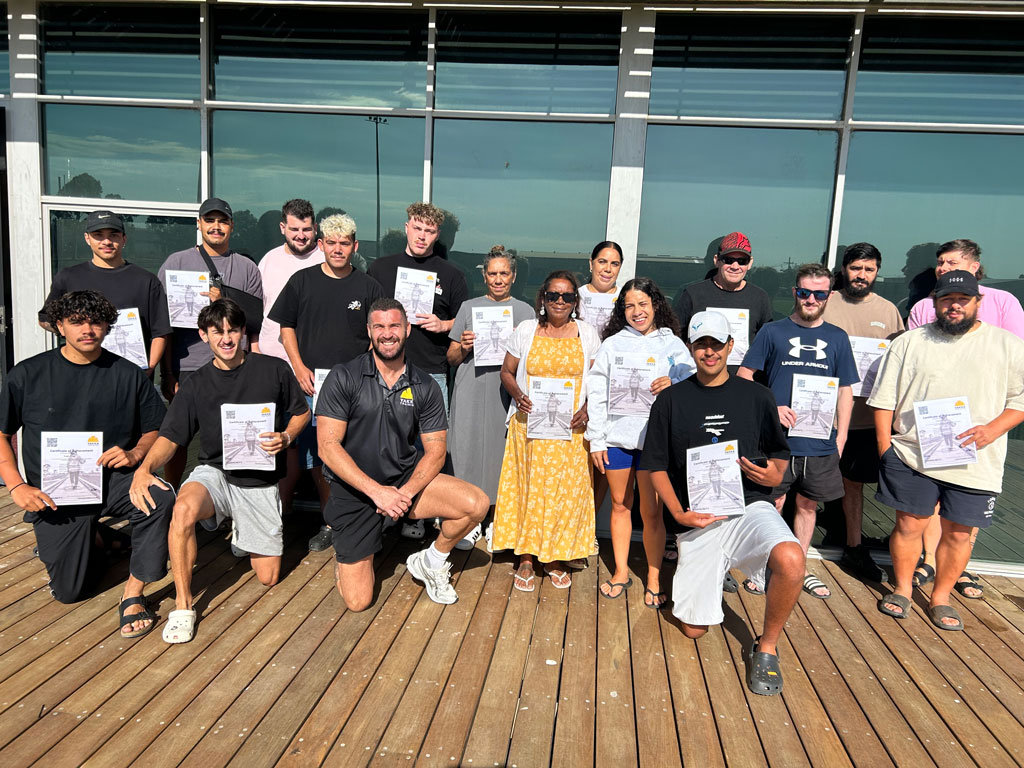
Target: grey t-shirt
point(188, 351)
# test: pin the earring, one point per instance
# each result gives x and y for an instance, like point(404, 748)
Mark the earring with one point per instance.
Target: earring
point(542, 309)
point(574, 314)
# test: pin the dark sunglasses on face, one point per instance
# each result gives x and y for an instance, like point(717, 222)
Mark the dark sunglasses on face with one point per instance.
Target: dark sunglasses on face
point(805, 293)
point(741, 260)
point(553, 296)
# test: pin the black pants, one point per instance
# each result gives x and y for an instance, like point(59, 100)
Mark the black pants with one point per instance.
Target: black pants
point(66, 538)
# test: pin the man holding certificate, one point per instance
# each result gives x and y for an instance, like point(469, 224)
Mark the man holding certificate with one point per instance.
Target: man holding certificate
point(701, 431)
point(247, 409)
point(935, 383)
point(86, 418)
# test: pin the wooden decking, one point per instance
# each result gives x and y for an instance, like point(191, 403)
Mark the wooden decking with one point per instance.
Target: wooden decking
point(285, 676)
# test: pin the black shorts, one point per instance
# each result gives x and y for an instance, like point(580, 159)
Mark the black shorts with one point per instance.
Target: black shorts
point(909, 491)
point(356, 526)
point(814, 477)
point(859, 462)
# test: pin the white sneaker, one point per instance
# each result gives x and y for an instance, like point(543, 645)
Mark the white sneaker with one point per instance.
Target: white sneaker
point(438, 583)
point(413, 529)
point(489, 536)
point(470, 539)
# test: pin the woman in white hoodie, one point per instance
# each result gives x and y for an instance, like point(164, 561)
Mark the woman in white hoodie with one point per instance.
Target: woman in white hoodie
point(641, 355)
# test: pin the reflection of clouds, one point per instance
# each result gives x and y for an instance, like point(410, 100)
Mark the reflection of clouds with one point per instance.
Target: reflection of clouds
point(98, 146)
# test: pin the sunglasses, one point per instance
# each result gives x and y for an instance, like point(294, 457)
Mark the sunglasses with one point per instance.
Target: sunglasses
point(806, 293)
point(568, 297)
point(741, 260)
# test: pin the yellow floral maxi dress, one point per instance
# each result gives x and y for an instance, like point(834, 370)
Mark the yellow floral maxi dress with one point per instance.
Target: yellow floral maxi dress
point(545, 501)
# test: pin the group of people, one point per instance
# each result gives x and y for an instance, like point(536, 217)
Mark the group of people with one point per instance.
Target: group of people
point(708, 409)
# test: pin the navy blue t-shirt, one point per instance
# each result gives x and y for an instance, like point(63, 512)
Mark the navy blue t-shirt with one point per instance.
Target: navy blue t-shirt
point(784, 348)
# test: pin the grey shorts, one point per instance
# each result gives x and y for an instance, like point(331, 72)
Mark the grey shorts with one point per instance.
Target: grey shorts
point(255, 513)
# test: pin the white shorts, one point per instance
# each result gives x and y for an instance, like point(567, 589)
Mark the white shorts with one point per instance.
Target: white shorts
point(707, 554)
point(255, 513)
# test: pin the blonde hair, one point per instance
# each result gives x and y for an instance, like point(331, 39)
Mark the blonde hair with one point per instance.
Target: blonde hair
point(338, 225)
point(426, 212)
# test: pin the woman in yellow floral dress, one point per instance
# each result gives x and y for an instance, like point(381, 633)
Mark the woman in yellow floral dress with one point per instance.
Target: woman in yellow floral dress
point(545, 506)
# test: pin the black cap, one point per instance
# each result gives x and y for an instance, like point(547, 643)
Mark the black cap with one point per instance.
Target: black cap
point(98, 220)
point(957, 281)
point(215, 204)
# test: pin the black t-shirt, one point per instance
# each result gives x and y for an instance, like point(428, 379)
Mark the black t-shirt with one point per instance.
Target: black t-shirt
point(328, 314)
point(426, 349)
point(699, 296)
point(382, 423)
point(50, 393)
point(196, 408)
point(689, 415)
point(125, 286)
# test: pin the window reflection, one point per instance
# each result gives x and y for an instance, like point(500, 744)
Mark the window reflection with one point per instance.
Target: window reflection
point(5, 61)
point(132, 153)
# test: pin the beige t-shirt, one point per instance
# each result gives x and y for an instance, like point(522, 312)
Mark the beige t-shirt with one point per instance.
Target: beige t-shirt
point(874, 317)
point(986, 365)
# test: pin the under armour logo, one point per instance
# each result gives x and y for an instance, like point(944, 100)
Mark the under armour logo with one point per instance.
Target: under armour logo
point(818, 347)
point(355, 305)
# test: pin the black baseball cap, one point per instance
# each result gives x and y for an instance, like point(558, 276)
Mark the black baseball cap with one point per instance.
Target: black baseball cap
point(98, 220)
point(215, 204)
point(957, 281)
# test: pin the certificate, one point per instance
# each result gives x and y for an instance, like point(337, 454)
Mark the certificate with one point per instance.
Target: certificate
point(241, 426)
point(739, 328)
point(814, 400)
point(71, 473)
point(319, 377)
point(868, 354)
point(125, 337)
point(183, 300)
point(938, 424)
point(553, 401)
point(492, 326)
point(597, 307)
point(713, 480)
point(415, 289)
point(629, 384)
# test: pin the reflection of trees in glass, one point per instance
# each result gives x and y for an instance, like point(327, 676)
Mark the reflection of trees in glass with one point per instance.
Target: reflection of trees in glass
point(149, 239)
point(82, 185)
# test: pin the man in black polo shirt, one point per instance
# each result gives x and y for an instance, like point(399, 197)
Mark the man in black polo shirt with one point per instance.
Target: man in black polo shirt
point(708, 408)
point(224, 401)
point(143, 325)
point(369, 413)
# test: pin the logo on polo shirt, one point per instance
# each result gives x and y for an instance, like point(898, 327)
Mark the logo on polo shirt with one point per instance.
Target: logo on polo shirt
point(356, 304)
point(818, 348)
point(406, 397)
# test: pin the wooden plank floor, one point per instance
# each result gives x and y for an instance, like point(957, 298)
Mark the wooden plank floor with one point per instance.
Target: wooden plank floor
point(285, 676)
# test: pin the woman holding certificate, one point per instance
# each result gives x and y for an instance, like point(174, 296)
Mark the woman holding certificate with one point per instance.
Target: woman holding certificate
point(476, 352)
point(545, 506)
point(642, 354)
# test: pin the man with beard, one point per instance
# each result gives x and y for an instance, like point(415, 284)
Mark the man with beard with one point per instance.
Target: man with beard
point(369, 413)
point(957, 356)
point(804, 343)
point(859, 311)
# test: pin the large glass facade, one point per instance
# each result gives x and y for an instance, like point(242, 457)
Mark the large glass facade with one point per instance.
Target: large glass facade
point(5, 62)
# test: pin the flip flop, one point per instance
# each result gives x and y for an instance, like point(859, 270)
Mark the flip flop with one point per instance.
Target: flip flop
point(971, 583)
point(143, 615)
point(939, 612)
point(729, 584)
point(658, 599)
point(927, 575)
point(523, 582)
point(624, 585)
point(811, 583)
point(180, 627)
point(897, 600)
point(764, 676)
point(752, 588)
point(559, 579)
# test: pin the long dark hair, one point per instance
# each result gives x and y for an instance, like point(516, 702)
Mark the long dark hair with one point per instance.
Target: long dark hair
point(664, 317)
point(558, 274)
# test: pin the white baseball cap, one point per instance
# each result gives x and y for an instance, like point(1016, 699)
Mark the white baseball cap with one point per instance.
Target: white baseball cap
point(713, 324)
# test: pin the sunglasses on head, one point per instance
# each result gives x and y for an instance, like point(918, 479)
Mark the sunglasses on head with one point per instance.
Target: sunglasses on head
point(805, 293)
point(568, 297)
point(741, 260)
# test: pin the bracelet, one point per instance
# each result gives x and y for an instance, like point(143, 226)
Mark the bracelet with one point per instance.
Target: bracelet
point(23, 482)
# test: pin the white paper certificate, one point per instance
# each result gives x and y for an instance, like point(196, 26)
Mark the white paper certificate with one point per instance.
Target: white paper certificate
point(415, 289)
point(739, 327)
point(553, 401)
point(492, 326)
point(938, 424)
point(70, 473)
point(814, 400)
point(868, 354)
point(319, 377)
point(241, 426)
point(183, 299)
point(597, 307)
point(125, 337)
point(629, 384)
point(713, 480)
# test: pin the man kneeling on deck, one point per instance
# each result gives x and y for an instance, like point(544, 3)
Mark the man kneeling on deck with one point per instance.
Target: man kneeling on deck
point(87, 417)
point(708, 410)
point(226, 399)
point(369, 413)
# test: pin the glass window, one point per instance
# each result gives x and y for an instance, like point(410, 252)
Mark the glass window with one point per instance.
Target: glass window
point(527, 62)
point(750, 66)
point(262, 159)
point(131, 153)
point(540, 188)
point(149, 239)
point(320, 56)
point(701, 183)
point(5, 59)
point(120, 50)
point(949, 70)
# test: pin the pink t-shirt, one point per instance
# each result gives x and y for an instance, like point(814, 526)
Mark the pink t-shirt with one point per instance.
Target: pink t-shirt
point(275, 269)
point(998, 308)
